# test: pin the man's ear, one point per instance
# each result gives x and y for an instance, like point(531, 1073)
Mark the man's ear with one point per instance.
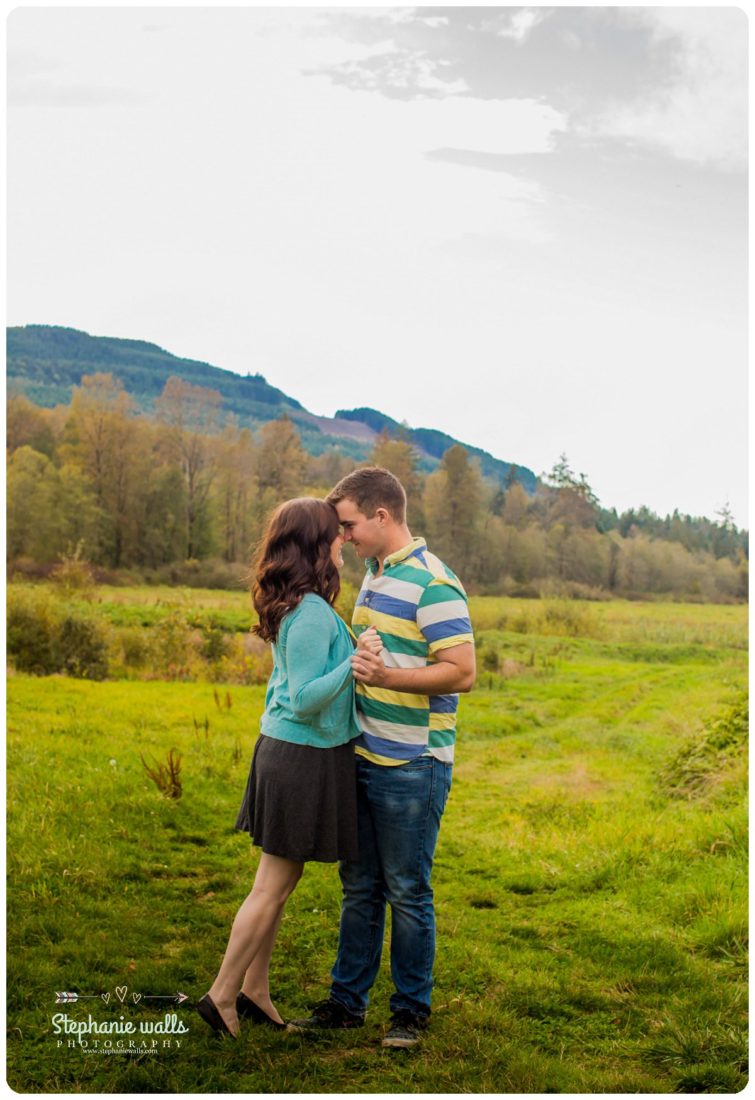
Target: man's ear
point(382, 515)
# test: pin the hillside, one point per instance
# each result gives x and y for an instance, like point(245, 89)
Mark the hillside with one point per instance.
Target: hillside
point(45, 362)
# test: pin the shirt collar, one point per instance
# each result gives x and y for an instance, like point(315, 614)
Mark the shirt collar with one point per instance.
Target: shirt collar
point(417, 544)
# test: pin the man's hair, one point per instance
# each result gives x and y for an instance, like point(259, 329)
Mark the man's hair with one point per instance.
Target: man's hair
point(371, 488)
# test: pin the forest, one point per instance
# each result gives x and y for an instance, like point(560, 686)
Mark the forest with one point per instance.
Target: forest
point(181, 496)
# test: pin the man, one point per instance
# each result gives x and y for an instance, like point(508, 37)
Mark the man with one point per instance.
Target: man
point(406, 702)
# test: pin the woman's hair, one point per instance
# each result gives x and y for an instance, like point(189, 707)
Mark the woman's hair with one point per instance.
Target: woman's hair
point(293, 558)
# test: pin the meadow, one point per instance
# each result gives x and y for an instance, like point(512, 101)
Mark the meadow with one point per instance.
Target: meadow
point(590, 880)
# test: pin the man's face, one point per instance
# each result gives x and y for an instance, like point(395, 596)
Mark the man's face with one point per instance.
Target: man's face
point(366, 535)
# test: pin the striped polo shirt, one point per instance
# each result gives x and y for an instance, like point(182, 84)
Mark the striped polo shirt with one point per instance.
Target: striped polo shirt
point(419, 607)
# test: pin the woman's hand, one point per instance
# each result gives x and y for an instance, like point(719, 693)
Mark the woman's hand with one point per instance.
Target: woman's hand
point(369, 641)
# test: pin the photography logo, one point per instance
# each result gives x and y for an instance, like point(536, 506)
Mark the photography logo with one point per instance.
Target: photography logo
point(122, 1034)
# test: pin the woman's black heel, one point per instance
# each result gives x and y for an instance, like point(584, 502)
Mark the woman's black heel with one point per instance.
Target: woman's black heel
point(209, 1013)
point(248, 1010)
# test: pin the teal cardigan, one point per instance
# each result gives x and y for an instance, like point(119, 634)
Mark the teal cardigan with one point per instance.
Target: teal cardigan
point(310, 695)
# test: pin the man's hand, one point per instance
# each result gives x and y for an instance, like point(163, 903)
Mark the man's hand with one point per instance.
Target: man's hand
point(368, 668)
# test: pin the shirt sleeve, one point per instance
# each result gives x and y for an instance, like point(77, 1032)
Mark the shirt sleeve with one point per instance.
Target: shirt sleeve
point(443, 616)
point(308, 641)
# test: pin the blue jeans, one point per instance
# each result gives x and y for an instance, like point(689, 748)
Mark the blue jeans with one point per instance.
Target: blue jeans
point(399, 812)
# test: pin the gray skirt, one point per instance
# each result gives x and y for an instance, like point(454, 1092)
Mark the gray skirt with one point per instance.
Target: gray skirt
point(301, 802)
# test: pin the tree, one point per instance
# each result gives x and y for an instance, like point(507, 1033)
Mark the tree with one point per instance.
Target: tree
point(48, 510)
point(724, 540)
point(99, 439)
point(570, 499)
point(235, 490)
point(325, 470)
point(400, 457)
point(282, 459)
point(452, 501)
point(516, 506)
point(33, 491)
point(28, 424)
point(189, 414)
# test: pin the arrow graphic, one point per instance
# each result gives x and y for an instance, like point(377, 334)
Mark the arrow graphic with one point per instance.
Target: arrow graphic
point(67, 997)
point(179, 998)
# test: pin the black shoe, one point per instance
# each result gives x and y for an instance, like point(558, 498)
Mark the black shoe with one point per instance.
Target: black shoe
point(209, 1013)
point(406, 1029)
point(328, 1015)
point(246, 1009)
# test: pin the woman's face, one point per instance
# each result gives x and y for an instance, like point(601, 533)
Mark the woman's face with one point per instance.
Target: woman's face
point(335, 551)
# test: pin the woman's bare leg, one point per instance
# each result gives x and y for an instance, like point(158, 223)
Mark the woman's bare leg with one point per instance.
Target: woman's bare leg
point(256, 980)
point(257, 919)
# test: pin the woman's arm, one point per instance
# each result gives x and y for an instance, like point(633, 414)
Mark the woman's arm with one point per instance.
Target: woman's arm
point(308, 642)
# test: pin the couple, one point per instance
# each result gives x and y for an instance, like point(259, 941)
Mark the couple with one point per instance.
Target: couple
point(357, 775)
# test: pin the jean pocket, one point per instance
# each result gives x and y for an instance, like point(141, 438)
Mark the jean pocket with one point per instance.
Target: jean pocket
point(419, 763)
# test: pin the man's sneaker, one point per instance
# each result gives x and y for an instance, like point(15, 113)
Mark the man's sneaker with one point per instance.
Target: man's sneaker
point(405, 1029)
point(327, 1015)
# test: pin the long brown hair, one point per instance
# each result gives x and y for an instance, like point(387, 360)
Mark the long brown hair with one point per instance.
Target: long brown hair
point(294, 558)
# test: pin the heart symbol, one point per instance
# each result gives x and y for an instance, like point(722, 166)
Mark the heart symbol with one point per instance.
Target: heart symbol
point(137, 997)
point(105, 997)
point(121, 991)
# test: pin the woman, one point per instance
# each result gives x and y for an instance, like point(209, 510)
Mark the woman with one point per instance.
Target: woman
point(300, 800)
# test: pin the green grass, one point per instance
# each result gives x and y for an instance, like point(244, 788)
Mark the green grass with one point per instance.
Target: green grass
point(592, 927)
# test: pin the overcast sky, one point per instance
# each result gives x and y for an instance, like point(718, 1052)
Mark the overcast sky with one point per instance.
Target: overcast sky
point(522, 226)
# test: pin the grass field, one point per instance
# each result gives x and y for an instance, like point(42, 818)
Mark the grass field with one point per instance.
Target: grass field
point(591, 875)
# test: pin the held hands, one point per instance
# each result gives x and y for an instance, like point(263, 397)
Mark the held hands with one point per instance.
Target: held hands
point(369, 640)
point(366, 663)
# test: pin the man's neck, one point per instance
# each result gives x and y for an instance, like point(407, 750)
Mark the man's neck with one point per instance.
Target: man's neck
point(401, 538)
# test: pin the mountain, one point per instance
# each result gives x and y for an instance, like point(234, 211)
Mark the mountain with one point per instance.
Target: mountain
point(45, 362)
point(434, 444)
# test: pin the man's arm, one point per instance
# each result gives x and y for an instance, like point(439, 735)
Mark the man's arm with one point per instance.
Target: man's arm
point(454, 670)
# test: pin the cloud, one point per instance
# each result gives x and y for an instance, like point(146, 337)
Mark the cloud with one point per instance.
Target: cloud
point(661, 79)
point(519, 25)
point(410, 15)
point(46, 94)
point(31, 85)
point(396, 72)
point(700, 112)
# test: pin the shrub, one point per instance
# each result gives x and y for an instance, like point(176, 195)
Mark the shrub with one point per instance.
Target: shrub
point(83, 648)
point(135, 648)
point(700, 764)
point(20, 569)
point(73, 575)
point(488, 657)
point(248, 661)
point(215, 644)
point(568, 617)
point(210, 573)
point(32, 634)
point(45, 637)
point(174, 651)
